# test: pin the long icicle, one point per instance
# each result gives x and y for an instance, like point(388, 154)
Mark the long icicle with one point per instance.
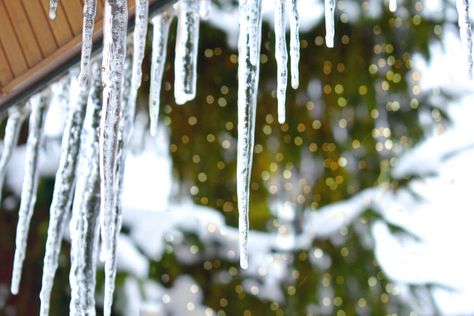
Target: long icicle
point(161, 25)
point(30, 183)
point(187, 39)
point(329, 9)
point(125, 127)
point(90, 8)
point(139, 42)
point(294, 42)
point(115, 31)
point(84, 226)
point(126, 124)
point(464, 23)
point(281, 56)
point(63, 189)
point(16, 116)
point(115, 28)
point(250, 20)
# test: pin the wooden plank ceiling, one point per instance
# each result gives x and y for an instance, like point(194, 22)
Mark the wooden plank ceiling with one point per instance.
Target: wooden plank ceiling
point(33, 46)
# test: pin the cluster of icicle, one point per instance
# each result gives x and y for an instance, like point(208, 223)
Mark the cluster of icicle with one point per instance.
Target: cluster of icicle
point(100, 121)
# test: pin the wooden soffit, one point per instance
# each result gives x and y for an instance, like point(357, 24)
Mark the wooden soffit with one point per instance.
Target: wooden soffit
point(34, 48)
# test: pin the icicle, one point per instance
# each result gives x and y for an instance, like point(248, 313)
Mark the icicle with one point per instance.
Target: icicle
point(253, 26)
point(115, 30)
point(392, 5)
point(204, 8)
point(63, 189)
point(16, 116)
point(30, 182)
point(90, 7)
point(464, 23)
point(281, 57)
point(53, 7)
point(112, 77)
point(161, 25)
point(84, 226)
point(125, 128)
point(250, 20)
point(186, 51)
point(139, 41)
point(329, 8)
point(294, 42)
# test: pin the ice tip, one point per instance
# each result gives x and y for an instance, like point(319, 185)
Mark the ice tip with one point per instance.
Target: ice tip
point(244, 263)
point(295, 84)
point(102, 254)
point(392, 6)
point(329, 42)
point(153, 129)
point(183, 98)
point(14, 289)
point(281, 119)
point(52, 13)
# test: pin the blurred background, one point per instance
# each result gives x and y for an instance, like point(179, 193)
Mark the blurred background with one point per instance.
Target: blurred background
point(361, 202)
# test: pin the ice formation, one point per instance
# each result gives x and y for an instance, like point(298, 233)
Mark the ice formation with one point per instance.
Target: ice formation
point(281, 56)
point(204, 8)
point(185, 63)
point(112, 78)
point(294, 42)
point(250, 20)
point(30, 182)
point(63, 189)
point(95, 140)
point(465, 31)
point(84, 225)
point(392, 5)
point(161, 25)
point(113, 58)
point(329, 9)
point(90, 8)
point(139, 42)
point(53, 7)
